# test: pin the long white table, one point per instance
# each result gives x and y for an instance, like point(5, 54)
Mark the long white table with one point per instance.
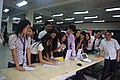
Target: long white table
point(66, 69)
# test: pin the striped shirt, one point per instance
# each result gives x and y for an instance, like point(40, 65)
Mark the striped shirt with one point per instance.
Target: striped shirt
point(16, 43)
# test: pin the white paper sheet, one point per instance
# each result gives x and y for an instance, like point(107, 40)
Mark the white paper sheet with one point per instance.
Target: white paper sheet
point(68, 54)
point(29, 68)
point(50, 65)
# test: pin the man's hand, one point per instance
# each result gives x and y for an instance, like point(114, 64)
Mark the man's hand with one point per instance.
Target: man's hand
point(118, 59)
point(98, 55)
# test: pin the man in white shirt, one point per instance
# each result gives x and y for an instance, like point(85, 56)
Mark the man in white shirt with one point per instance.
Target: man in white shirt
point(48, 26)
point(95, 42)
point(111, 51)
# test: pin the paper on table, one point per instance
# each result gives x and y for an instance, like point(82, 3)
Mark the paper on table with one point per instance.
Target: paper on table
point(78, 53)
point(88, 60)
point(50, 65)
point(28, 68)
point(68, 54)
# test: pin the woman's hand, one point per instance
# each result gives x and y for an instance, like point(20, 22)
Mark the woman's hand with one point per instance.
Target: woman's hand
point(31, 65)
point(118, 59)
point(55, 63)
point(20, 68)
point(62, 46)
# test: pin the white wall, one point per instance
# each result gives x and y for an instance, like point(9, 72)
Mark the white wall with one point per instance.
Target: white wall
point(100, 26)
point(1, 8)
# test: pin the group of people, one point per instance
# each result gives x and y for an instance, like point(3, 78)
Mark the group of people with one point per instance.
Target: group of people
point(4, 37)
point(28, 47)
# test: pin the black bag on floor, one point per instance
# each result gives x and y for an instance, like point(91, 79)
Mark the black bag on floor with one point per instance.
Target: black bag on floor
point(79, 76)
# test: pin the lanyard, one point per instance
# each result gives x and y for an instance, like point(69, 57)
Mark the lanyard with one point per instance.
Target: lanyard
point(23, 42)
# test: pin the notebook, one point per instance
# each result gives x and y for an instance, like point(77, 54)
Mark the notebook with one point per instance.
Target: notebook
point(85, 58)
point(59, 58)
point(68, 54)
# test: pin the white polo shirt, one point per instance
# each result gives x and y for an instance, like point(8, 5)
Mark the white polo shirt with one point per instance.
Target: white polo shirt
point(96, 45)
point(110, 47)
point(59, 44)
point(35, 47)
point(42, 33)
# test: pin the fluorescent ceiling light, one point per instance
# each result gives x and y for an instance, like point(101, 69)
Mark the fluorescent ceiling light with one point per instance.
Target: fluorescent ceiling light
point(22, 3)
point(113, 9)
point(38, 17)
point(93, 17)
point(6, 10)
point(15, 18)
point(85, 12)
point(116, 15)
point(59, 23)
point(57, 15)
point(78, 21)
point(39, 21)
point(6, 19)
point(67, 19)
point(50, 20)
point(99, 21)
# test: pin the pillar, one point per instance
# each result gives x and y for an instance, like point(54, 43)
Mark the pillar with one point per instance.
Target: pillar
point(30, 16)
point(9, 24)
point(1, 8)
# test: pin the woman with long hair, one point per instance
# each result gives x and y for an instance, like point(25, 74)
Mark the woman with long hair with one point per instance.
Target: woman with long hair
point(43, 49)
point(20, 47)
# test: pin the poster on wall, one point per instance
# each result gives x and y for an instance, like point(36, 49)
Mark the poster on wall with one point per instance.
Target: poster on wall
point(89, 31)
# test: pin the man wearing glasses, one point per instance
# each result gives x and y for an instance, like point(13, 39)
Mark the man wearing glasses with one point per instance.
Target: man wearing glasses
point(111, 53)
point(95, 42)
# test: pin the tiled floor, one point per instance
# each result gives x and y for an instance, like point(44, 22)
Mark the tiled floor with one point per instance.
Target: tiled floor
point(4, 57)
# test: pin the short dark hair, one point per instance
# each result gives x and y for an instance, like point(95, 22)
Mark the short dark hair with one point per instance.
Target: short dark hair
point(108, 31)
point(72, 27)
point(83, 33)
point(53, 30)
point(47, 22)
point(21, 25)
point(97, 31)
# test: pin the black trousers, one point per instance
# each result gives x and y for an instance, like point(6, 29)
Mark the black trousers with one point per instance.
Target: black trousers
point(110, 66)
point(58, 54)
point(34, 58)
